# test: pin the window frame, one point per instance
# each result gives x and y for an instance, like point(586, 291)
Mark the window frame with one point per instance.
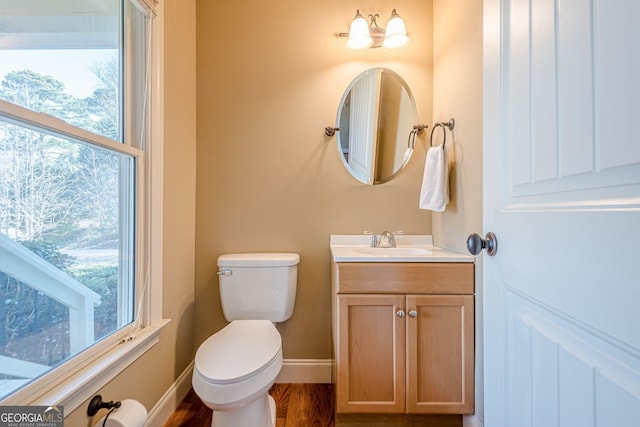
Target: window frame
point(77, 379)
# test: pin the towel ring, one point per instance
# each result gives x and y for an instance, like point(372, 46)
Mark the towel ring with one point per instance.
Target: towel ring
point(451, 124)
point(417, 130)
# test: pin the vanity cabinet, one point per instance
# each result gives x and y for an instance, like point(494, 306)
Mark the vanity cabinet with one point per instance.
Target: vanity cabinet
point(403, 337)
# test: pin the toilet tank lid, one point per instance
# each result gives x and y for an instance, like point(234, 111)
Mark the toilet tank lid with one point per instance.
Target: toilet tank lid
point(258, 260)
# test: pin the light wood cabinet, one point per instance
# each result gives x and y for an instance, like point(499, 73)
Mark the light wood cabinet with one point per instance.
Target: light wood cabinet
point(403, 337)
point(371, 351)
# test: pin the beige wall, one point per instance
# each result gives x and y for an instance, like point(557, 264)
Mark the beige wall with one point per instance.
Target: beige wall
point(179, 177)
point(457, 93)
point(270, 76)
point(152, 375)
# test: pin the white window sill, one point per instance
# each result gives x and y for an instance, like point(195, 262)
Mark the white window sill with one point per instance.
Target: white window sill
point(86, 381)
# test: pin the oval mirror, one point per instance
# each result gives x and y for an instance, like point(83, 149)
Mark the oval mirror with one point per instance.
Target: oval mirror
point(376, 118)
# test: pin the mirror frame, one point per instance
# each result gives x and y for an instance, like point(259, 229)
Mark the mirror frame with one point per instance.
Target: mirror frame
point(409, 151)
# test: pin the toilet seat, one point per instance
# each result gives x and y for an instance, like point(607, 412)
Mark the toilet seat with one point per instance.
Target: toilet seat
point(241, 350)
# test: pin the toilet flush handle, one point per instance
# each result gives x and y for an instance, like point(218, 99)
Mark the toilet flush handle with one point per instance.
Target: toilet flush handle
point(224, 273)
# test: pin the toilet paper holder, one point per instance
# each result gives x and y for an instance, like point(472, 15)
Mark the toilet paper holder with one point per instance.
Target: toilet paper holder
point(96, 404)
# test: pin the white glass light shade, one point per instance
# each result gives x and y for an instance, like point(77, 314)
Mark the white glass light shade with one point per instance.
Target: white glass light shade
point(359, 37)
point(396, 33)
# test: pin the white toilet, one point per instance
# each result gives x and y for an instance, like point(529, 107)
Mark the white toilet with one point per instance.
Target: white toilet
point(235, 367)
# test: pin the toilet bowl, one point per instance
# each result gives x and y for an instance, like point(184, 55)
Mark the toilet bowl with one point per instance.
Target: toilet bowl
point(235, 368)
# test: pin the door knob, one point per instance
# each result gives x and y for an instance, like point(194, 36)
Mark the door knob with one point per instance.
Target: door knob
point(400, 313)
point(475, 244)
point(413, 313)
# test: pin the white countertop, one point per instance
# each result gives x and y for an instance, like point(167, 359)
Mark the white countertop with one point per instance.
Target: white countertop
point(411, 248)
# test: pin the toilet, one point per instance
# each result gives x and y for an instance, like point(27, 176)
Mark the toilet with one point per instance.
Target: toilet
point(236, 366)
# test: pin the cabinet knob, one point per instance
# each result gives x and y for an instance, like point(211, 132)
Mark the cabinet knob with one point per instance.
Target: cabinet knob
point(400, 313)
point(413, 313)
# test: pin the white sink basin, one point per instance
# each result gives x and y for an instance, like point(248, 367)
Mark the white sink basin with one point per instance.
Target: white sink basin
point(410, 248)
point(392, 252)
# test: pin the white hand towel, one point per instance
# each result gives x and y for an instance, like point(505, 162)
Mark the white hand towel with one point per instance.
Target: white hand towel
point(434, 194)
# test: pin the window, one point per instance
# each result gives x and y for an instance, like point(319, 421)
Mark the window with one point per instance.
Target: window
point(74, 173)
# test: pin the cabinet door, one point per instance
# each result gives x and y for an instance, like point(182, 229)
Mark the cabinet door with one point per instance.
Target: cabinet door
point(440, 359)
point(370, 354)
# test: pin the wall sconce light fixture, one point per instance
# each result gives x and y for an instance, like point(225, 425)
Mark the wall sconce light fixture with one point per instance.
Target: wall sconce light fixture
point(363, 35)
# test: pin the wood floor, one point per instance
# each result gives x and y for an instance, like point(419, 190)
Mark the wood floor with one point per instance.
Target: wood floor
point(308, 405)
point(296, 405)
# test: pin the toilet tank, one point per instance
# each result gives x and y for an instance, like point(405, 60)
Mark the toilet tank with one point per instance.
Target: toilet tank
point(258, 286)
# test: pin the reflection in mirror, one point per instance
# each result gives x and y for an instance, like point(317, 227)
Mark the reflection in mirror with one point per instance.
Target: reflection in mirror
point(376, 117)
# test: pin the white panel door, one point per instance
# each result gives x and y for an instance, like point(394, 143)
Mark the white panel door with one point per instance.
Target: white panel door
point(363, 124)
point(562, 194)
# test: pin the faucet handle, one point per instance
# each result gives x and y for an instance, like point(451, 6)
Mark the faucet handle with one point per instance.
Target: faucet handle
point(374, 240)
point(393, 237)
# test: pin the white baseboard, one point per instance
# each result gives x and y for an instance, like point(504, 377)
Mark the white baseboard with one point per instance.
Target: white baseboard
point(168, 403)
point(471, 421)
point(314, 371)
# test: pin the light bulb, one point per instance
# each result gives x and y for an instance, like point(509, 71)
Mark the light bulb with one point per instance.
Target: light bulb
point(359, 37)
point(396, 34)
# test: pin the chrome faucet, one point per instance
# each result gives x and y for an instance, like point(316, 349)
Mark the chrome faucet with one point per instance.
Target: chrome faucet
point(385, 240)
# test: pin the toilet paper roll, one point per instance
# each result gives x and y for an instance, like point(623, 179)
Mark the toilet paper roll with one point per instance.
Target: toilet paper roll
point(131, 413)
